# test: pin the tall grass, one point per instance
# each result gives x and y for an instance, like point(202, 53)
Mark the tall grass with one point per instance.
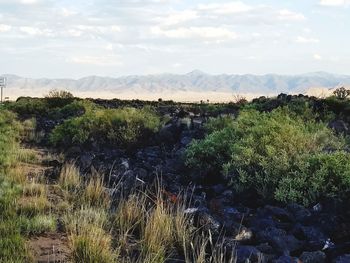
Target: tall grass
point(22, 203)
point(147, 226)
point(69, 177)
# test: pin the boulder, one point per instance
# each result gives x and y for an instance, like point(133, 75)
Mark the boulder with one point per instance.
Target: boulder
point(343, 259)
point(248, 254)
point(313, 257)
point(339, 126)
point(286, 259)
point(207, 222)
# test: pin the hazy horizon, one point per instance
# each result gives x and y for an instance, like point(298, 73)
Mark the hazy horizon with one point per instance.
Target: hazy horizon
point(66, 39)
point(197, 71)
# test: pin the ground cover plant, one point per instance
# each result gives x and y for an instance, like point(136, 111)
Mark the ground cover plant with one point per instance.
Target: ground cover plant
point(103, 204)
point(121, 127)
point(280, 154)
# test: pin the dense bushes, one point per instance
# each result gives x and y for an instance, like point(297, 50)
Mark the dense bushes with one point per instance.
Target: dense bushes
point(9, 135)
point(113, 126)
point(278, 154)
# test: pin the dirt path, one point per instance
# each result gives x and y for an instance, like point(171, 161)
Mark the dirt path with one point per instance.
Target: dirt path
point(50, 247)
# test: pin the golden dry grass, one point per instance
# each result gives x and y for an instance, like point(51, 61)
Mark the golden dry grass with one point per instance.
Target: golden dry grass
point(70, 178)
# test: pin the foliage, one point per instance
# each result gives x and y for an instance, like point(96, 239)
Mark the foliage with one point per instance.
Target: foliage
point(341, 93)
point(29, 106)
point(322, 173)
point(63, 94)
point(9, 136)
point(260, 150)
point(12, 244)
point(114, 126)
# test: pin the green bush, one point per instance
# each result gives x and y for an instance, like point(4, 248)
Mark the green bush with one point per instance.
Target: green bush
point(113, 126)
point(322, 174)
point(9, 136)
point(29, 106)
point(267, 152)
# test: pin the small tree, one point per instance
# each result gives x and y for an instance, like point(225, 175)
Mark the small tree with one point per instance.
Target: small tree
point(342, 93)
point(63, 94)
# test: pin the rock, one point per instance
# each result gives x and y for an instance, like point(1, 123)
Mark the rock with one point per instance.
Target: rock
point(259, 224)
point(278, 213)
point(286, 244)
point(269, 233)
point(73, 151)
point(279, 240)
point(248, 254)
point(169, 134)
point(299, 212)
point(265, 248)
point(315, 237)
point(53, 173)
point(339, 126)
point(244, 234)
point(286, 259)
point(86, 160)
point(313, 257)
point(317, 207)
point(343, 259)
point(185, 140)
point(207, 222)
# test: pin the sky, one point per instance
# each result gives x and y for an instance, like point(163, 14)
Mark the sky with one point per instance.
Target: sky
point(77, 38)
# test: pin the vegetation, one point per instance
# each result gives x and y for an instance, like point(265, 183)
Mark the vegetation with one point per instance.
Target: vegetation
point(123, 127)
point(24, 206)
point(144, 227)
point(341, 93)
point(279, 154)
point(279, 148)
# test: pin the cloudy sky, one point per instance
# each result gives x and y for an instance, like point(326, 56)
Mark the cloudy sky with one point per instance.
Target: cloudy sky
point(76, 38)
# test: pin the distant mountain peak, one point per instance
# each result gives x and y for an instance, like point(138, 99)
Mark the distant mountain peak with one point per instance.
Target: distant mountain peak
point(196, 72)
point(195, 81)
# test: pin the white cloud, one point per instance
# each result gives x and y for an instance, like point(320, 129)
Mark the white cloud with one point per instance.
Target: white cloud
point(4, 28)
point(306, 40)
point(286, 14)
point(226, 8)
point(96, 60)
point(67, 12)
point(35, 31)
point(109, 47)
point(178, 17)
point(218, 33)
point(317, 57)
point(29, 2)
point(335, 2)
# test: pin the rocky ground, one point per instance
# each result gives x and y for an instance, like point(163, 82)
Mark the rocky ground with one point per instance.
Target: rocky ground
point(261, 231)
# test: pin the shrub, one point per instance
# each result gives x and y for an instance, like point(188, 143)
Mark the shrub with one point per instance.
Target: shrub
point(113, 126)
point(260, 150)
point(341, 93)
point(63, 94)
point(321, 174)
point(29, 106)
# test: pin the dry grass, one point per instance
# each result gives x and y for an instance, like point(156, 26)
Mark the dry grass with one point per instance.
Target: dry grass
point(94, 193)
point(17, 175)
point(33, 205)
point(34, 189)
point(93, 245)
point(70, 178)
point(28, 156)
point(28, 130)
point(88, 239)
point(144, 227)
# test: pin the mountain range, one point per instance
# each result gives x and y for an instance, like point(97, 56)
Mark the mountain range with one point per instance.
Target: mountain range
point(193, 82)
